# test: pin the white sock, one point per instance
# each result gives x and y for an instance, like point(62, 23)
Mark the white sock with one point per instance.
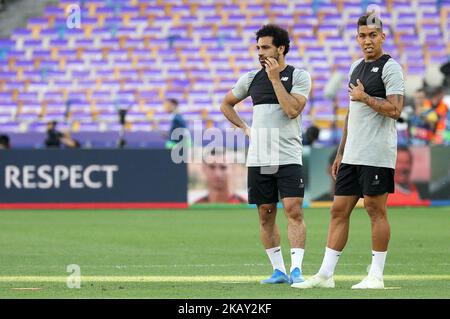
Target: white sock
point(276, 258)
point(377, 266)
point(297, 258)
point(329, 262)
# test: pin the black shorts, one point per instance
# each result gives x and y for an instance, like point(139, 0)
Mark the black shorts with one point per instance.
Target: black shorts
point(363, 180)
point(269, 183)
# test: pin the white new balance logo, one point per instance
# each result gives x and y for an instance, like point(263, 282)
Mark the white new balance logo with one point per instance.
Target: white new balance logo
point(284, 79)
point(374, 69)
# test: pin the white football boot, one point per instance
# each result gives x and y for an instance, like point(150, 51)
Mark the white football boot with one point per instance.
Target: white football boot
point(315, 281)
point(370, 282)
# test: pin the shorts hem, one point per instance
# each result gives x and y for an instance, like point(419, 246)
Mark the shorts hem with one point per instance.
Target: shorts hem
point(290, 195)
point(263, 202)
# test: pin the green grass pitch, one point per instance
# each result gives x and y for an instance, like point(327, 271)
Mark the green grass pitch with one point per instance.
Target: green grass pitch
point(208, 253)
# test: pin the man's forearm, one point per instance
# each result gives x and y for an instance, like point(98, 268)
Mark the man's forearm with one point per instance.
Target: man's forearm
point(344, 137)
point(232, 116)
point(288, 103)
point(382, 106)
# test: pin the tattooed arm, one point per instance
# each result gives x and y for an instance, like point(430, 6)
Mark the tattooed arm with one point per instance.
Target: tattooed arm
point(391, 107)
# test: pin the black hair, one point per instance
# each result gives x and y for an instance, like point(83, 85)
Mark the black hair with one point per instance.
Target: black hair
point(4, 140)
point(279, 35)
point(370, 19)
point(173, 101)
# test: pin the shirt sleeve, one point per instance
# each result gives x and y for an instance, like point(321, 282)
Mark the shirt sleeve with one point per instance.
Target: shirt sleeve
point(352, 68)
point(301, 83)
point(393, 78)
point(240, 89)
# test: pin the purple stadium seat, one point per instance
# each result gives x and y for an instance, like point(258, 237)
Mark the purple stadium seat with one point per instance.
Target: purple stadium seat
point(18, 54)
point(126, 31)
point(405, 28)
point(152, 31)
point(10, 127)
point(135, 21)
point(27, 117)
point(55, 106)
point(430, 17)
point(25, 64)
point(54, 116)
point(402, 7)
point(419, 70)
point(155, 10)
point(181, 9)
point(236, 18)
point(80, 95)
point(310, 19)
point(110, 43)
point(68, 53)
point(33, 44)
point(92, 53)
point(28, 96)
point(435, 39)
point(38, 21)
point(307, 41)
point(53, 11)
point(11, 84)
point(106, 11)
point(7, 106)
point(303, 8)
point(406, 18)
point(244, 61)
point(21, 33)
point(433, 29)
point(327, 8)
point(332, 18)
point(86, 84)
point(161, 21)
point(228, 30)
point(50, 33)
point(86, 126)
point(279, 8)
point(303, 29)
point(75, 64)
point(229, 8)
point(408, 38)
point(212, 19)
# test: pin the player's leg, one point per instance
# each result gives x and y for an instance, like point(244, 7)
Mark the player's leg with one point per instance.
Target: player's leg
point(291, 187)
point(262, 192)
point(296, 235)
point(340, 221)
point(381, 232)
point(270, 237)
point(268, 229)
point(377, 183)
point(346, 196)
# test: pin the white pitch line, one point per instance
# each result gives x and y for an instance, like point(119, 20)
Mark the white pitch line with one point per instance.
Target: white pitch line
point(218, 279)
point(210, 265)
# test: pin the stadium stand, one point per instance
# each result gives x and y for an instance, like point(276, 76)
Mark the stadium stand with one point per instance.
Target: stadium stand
point(133, 54)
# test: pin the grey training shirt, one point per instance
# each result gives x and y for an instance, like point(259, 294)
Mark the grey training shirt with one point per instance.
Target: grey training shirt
point(372, 137)
point(275, 138)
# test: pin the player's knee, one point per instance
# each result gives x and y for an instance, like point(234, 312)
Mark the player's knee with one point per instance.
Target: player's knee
point(338, 212)
point(266, 214)
point(293, 208)
point(266, 221)
point(295, 216)
point(266, 209)
point(375, 210)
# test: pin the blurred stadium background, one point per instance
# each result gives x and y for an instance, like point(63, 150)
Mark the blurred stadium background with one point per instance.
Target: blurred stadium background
point(128, 57)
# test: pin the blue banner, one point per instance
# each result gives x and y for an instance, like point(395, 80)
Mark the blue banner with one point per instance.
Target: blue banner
point(91, 176)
